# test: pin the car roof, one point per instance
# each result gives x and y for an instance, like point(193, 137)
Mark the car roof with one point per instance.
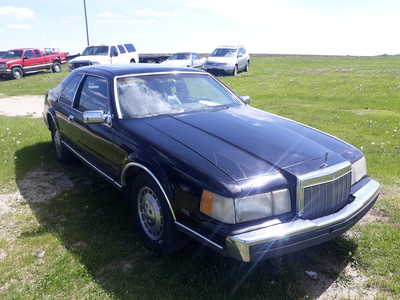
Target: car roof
point(137, 68)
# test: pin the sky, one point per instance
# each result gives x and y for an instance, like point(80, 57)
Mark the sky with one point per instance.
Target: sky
point(330, 27)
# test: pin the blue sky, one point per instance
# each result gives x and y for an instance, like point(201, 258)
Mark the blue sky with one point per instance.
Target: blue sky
point(352, 27)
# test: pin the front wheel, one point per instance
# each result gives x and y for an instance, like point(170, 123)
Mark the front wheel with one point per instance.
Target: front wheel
point(151, 215)
point(235, 71)
point(247, 67)
point(17, 73)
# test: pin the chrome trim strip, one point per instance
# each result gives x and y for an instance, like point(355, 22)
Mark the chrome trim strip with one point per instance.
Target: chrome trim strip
point(239, 245)
point(202, 237)
point(91, 165)
point(318, 177)
point(132, 164)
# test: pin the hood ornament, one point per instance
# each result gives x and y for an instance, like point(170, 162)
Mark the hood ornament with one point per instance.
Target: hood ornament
point(325, 163)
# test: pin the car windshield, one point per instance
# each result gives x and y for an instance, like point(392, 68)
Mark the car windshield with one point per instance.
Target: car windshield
point(149, 95)
point(223, 52)
point(179, 56)
point(95, 50)
point(12, 54)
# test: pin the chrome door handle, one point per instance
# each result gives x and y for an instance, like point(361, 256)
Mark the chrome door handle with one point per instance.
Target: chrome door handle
point(71, 118)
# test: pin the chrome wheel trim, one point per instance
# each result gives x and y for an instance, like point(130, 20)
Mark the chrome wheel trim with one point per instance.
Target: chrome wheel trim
point(150, 214)
point(235, 71)
point(57, 142)
point(57, 68)
point(17, 74)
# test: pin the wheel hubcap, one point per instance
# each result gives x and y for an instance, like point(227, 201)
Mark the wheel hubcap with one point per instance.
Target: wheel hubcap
point(149, 210)
point(17, 75)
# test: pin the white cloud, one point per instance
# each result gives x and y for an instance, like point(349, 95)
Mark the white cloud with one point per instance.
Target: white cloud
point(19, 26)
point(108, 14)
point(280, 26)
point(128, 21)
point(16, 12)
point(154, 13)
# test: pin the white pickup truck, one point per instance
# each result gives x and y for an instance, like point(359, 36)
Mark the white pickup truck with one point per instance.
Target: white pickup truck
point(105, 54)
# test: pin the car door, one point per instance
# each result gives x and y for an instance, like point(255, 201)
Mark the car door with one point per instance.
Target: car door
point(95, 141)
point(65, 111)
point(29, 61)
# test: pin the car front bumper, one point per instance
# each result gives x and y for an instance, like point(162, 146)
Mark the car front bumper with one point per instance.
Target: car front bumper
point(5, 71)
point(219, 69)
point(282, 238)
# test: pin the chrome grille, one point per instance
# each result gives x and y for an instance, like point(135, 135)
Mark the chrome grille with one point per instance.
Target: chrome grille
point(326, 198)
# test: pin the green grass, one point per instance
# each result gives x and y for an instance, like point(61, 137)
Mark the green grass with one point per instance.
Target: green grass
point(32, 84)
point(92, 253)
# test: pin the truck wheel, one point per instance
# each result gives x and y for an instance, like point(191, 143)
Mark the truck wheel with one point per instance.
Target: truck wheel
point(151, 216)
point(247, 67)
point(56, 67)
point(17, 73)
point(132, 61)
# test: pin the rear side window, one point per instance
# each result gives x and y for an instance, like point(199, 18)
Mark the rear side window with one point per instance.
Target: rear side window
point(29, 53)
point(69, 88)
point(94, 95)
point(121, 49)
point(130, 47)
point(37, 53)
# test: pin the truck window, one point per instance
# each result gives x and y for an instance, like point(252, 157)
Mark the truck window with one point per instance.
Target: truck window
point(94, 95)
point(29, 54)
point(113, 51)
point(121, 49)
point(37, 52)
point(130, 47)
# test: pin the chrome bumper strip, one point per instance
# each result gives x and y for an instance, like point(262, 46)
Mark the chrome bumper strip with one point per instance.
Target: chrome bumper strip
point(239, 245)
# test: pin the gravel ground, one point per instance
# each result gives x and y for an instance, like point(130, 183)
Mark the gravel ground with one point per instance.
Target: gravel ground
point(22, 106)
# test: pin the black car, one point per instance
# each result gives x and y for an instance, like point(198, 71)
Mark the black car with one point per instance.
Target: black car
point(194, 157)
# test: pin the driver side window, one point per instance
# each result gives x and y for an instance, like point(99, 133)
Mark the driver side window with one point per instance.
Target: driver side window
point(94, 95)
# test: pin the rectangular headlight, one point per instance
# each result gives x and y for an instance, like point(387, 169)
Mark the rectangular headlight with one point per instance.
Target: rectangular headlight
point(358, 170)
point(262, 205)
point(244, 209)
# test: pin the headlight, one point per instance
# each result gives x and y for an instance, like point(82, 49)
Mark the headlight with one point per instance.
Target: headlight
point(358, 170)
point(244, 209)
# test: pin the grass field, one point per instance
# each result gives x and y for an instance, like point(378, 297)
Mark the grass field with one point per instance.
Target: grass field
point(79, 244)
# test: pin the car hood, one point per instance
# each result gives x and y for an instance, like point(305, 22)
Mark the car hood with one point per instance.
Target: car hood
point(215, 59)
point(177, 62)
point(9, 60)
point(103, 59)
point(244, 142)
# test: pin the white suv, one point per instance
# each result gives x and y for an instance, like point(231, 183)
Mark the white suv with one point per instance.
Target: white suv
point(105, 54)
point(228, 60)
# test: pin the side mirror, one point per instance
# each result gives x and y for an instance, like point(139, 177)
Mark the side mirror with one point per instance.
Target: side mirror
point(96, 117)
point(245, 99)
point(240, 55)
point(24, 57)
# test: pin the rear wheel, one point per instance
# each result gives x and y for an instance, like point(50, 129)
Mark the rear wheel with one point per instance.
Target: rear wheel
point(17, 73)
point(247, 67)
point(56, 67)
point(62, 153)
point(133, 61)
point(152, 217)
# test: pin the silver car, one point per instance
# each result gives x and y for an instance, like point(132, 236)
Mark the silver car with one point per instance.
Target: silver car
point(228, 60)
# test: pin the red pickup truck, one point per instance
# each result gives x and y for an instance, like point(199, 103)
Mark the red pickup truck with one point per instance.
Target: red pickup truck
point(16, 63)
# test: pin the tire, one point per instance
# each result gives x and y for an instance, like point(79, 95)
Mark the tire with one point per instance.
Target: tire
point(132, 61)
point(235, 71)
point(247, 68)
point(56, 67)
point(62, 153)
point(17, 73)
point(152, 217)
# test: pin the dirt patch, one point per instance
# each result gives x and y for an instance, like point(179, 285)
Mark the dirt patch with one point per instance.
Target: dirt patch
point(350, 284)
point(38, 186)
point(22, 106)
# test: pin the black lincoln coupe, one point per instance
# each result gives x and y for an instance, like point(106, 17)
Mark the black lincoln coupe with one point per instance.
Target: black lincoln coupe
point(195, 158)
